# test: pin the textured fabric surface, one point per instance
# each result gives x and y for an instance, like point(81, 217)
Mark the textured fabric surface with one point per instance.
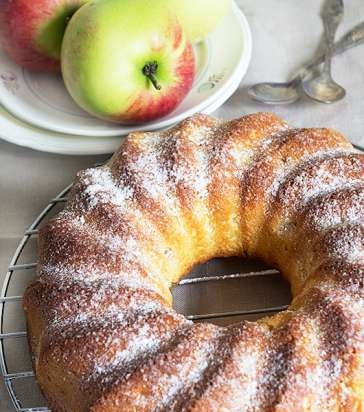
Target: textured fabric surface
point(285, 34)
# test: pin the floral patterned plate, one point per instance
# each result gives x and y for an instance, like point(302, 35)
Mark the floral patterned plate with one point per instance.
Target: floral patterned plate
point(41, 100)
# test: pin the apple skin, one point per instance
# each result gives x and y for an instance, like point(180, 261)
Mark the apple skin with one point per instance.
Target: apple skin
point(31, 31)
point(199, 17)
point(107, 45)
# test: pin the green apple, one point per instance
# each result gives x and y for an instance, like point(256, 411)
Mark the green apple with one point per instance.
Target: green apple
point(200, 17)
point(127, 61)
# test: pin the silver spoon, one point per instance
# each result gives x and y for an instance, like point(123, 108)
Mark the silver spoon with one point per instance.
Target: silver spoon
point(322, 87)
point(289, 92)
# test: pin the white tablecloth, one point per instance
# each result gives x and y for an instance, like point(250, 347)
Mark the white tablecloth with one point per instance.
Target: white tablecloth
point(285, 34)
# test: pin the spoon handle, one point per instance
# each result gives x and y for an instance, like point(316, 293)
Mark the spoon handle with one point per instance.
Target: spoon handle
point(353, 38)
point(332, 16)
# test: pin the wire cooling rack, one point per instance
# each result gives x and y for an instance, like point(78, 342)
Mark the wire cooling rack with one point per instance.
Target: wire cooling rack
point(14, 358)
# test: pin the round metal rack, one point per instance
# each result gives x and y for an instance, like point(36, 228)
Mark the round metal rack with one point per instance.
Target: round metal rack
point(6, 298)
point(21, 383)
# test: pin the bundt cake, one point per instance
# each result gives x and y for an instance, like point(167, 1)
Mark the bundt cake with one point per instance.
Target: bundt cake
point(102, 330)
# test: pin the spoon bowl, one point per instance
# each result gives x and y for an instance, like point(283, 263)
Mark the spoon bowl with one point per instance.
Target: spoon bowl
point(323, 89)
point(276, 93)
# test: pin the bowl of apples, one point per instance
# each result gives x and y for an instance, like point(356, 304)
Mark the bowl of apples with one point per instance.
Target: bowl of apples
point(77, 75)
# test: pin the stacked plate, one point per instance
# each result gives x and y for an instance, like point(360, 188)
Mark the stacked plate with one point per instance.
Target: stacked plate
point(37, 112)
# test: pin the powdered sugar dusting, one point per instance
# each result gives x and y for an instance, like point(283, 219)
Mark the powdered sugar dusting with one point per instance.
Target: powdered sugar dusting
point(345, 242)
point(338, 208)
point(160, 179)
point(103, 295)
point(197, 179)
point(329, 175)
point(100, 186)
point(66, 273)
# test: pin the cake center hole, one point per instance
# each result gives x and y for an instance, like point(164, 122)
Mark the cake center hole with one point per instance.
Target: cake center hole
point(226, 291)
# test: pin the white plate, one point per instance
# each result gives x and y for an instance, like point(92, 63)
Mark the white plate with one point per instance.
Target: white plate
point(16, 131)
point(42, 100)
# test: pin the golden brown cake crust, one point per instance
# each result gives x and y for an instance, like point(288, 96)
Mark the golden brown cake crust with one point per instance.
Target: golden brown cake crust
point(101, 327)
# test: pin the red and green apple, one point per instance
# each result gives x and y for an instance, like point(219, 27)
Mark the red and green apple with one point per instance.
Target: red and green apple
point(31, 31)
point(127, 61)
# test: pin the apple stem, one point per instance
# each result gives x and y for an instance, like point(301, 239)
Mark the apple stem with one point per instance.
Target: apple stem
point(150, 70)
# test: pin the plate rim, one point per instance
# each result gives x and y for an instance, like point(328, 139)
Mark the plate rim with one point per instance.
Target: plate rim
point(110, 143)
